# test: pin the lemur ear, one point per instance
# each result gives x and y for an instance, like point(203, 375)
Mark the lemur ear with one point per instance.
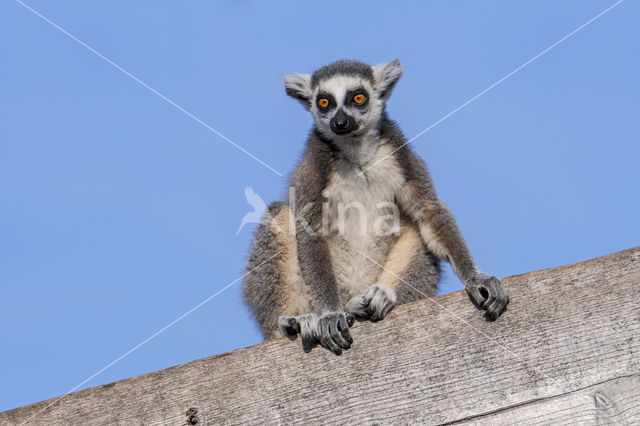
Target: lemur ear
point(298, 86)
point(386, 76)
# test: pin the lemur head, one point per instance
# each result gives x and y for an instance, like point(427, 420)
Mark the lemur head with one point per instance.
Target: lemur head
point(346, 98)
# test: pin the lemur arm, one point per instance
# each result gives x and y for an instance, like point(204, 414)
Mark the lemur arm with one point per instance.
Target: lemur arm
point(439, 231)
point(306, 199)
point(330, 327)
point(316, 270)
point(441, 234)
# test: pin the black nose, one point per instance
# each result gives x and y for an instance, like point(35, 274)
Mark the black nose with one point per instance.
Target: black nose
point(342, 123)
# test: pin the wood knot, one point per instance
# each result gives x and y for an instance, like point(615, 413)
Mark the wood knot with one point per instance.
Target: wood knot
point(602, 402)
point(192, 416)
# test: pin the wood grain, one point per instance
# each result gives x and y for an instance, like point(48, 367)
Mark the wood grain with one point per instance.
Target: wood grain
point(566, 351)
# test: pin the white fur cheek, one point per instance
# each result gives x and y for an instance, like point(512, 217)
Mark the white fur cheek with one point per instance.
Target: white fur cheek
point(325, 128)
point(376, 107)
point(371, 118)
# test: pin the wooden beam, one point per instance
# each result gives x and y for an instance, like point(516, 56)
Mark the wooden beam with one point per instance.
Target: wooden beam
point(566, 351)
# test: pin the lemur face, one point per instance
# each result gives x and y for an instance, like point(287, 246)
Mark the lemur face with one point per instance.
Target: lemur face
point(346, 98)
point(342, 105)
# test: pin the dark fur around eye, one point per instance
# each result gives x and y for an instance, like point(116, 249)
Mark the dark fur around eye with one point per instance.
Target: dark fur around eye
point(352, 93)
point(327, 96)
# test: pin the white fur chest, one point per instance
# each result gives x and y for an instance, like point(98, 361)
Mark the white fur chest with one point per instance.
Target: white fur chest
point(361, 217)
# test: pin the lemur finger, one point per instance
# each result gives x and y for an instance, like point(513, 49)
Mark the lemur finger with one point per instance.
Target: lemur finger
point(324, 336)
point(309, 343)
point(475, 295)
point(491, 314)
point(333, 332)
point(289, 326)
point(498, 306)
point(386, 310)
point(327, 342)
point(343, 328)
point(357, 306)
point(338, 338)
point(381, 304)
point(489, 300)
point(498, 295)
point(351, 318)
point(309, 326)
point(340, 334)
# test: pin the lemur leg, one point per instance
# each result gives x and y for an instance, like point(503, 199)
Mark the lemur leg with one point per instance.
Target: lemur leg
point(410, 272)
point(273, 285)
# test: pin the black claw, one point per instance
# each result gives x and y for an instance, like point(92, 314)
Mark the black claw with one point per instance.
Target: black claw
point(350, 319)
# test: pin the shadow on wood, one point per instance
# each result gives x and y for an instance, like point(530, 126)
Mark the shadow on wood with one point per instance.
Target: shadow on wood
point(566, 351)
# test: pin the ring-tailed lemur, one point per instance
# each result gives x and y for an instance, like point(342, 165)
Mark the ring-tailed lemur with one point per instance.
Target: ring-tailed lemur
point(362, 223)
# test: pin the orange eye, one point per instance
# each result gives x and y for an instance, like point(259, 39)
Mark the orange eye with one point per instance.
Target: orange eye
point(323, 102)
point(359, 98)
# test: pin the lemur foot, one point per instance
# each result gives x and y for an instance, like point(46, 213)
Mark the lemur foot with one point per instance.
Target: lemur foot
point(375, 304)
point(331, 330)
point(489, 294)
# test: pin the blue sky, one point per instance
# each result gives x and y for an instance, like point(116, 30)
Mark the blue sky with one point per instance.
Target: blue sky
point(118, 212)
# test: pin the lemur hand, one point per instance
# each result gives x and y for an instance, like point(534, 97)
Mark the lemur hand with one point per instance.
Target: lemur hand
point(330, 330)
point(333, 332)
point(375, 304)
point(489, 294)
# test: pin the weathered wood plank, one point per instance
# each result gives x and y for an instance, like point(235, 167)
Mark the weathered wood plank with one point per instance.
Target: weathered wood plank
point(567, 350)
point(613, 402)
